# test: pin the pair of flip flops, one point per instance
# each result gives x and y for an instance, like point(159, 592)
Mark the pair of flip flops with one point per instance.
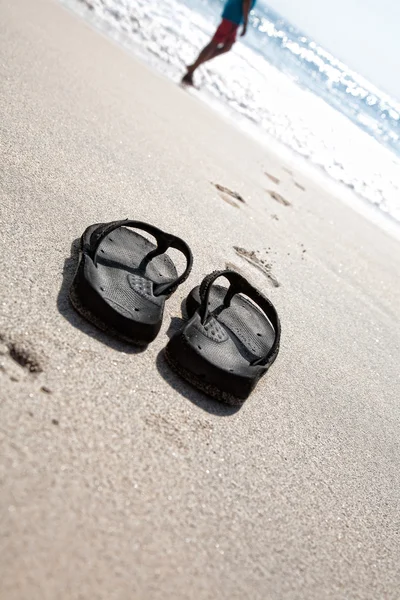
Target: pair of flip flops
point(231, 336)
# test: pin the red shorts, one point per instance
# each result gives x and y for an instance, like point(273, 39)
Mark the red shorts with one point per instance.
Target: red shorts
point(226, 33)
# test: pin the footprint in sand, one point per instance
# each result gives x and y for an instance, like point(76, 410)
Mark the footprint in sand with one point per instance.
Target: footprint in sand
point(228, 195)
point(17, 360)
point(17, 353)
point(278, 198)
point(229, 200)
point(272, 178)
point(251, 257)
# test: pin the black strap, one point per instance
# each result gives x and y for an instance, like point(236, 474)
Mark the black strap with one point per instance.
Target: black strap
point(240, 285)
point(164, 241)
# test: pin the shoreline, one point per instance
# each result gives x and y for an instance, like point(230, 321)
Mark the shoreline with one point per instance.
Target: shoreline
point(311, 171)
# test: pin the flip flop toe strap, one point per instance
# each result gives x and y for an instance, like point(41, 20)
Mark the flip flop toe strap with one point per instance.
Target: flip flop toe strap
point(240, 285)
point(164, 241)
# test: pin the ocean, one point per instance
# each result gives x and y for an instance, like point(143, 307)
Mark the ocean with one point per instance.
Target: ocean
point(279, 81)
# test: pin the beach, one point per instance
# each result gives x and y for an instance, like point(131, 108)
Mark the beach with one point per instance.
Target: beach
point(119, 480)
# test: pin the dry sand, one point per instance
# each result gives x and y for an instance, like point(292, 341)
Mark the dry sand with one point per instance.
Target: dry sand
point(119, 481)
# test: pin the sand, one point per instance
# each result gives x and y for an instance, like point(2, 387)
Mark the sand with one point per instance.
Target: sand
point(118, 480)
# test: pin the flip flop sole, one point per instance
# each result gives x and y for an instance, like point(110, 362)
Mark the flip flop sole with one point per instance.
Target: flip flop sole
point(85, 312)
point(201, 384)
point(230, 340)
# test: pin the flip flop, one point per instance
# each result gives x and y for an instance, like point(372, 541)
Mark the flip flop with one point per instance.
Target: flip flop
point(122, 281)
point(229, 341)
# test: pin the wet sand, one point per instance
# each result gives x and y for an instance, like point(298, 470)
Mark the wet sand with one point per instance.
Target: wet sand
point(118, 480)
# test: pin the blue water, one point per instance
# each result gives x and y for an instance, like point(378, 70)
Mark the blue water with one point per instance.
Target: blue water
point(313, 68)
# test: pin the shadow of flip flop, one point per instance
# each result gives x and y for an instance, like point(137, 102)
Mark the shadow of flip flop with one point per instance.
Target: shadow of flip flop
point(68, 312)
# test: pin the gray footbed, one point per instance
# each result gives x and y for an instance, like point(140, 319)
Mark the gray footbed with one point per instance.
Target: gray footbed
point(234, 336)
point(122, 283)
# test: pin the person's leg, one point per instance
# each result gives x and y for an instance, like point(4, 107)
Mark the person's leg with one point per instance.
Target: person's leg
point(222, 42)
point(220, 50)
point(207, 53)
point(225, 37)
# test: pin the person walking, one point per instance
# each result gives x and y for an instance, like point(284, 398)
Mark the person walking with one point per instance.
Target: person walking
point(235, 13)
